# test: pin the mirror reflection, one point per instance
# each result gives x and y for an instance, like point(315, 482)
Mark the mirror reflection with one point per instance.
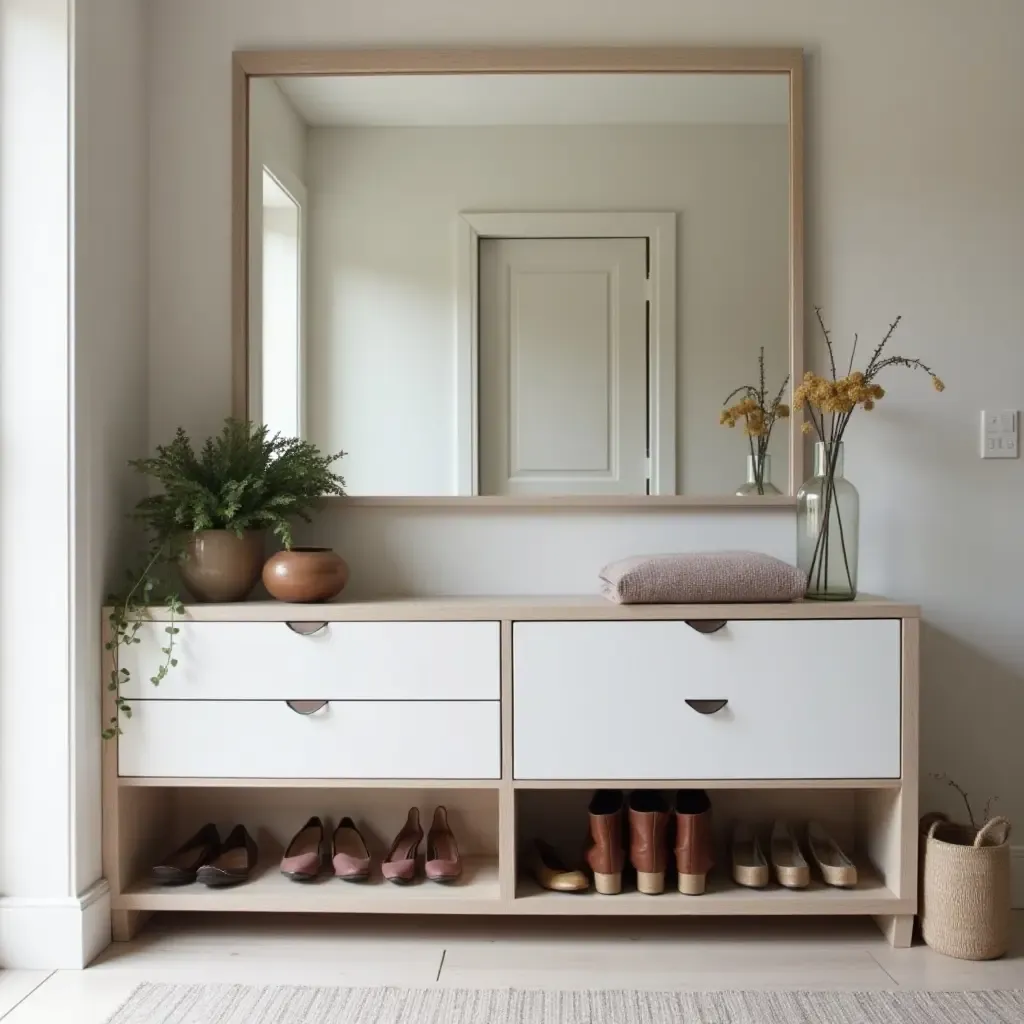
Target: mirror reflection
point(520, 284)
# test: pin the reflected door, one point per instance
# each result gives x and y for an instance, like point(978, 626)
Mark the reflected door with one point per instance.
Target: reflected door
point(563, 366)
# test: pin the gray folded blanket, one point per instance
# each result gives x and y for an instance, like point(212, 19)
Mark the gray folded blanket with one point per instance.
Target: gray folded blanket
point(722, 577)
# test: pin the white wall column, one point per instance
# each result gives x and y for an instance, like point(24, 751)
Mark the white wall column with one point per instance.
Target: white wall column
point(73, 269)
point(44, 920)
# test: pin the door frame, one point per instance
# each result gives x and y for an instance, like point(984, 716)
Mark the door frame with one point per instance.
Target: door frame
point(659, 228)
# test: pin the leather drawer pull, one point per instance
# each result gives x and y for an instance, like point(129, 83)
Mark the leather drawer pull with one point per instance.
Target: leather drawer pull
point(707, 707)
point(307, 707)
point(306, 628)
point(706, 625)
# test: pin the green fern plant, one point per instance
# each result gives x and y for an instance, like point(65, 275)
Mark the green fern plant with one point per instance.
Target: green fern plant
point(241, 479)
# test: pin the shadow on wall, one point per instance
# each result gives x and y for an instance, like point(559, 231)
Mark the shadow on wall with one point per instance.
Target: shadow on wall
point(972, 713)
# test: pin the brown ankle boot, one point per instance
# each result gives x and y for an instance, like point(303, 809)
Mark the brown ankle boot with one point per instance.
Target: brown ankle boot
point(605, 854)
point(695, 843)
point(648, 839)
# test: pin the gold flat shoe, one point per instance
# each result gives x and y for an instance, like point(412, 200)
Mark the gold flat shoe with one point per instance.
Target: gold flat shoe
point(836, 868)
point(749, 864)
point(552, 873)
point(787, 859)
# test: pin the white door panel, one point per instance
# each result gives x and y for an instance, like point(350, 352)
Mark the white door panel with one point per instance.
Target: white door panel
point(563, 366)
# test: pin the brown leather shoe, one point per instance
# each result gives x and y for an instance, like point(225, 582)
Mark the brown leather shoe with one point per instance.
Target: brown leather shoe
point(606, 855)
point(182, 866)
point(695, 843)
point(234, 864)
point(648, 839)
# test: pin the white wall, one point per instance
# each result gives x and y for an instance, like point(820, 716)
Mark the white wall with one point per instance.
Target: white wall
point(383, 206)
point(73, 280)
point(914, 206)
point(111, 279)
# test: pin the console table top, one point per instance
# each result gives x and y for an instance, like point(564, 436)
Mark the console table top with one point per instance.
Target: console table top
point(525, 608)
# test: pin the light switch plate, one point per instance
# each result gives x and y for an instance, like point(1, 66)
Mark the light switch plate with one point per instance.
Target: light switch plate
point(999, 434)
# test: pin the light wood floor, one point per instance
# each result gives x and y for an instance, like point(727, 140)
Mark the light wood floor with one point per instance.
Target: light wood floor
point(689, 953)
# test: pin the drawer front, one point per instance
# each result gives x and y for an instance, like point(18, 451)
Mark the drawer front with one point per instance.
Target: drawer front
point(806, 700)
point(345, 740)
point(341, 661)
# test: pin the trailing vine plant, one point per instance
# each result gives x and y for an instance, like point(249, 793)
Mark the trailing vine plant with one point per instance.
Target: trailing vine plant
point(128, 611)
point(241, 479)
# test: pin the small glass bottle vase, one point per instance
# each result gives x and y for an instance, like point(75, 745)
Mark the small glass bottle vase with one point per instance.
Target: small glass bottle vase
point(827, 521)
point(759, 477)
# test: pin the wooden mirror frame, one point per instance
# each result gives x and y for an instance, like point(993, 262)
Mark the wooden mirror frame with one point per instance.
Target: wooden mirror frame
point(549, 60)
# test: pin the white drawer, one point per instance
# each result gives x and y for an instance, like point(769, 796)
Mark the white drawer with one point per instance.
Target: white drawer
point(345, 740)
point(806, 700)
point(342, 661)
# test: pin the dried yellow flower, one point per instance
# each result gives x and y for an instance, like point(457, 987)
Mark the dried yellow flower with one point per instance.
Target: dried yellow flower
point(805, 428)
point(937, 384)
point(782, 411)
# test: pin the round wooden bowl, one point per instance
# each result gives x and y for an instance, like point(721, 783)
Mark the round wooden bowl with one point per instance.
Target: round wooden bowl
point(305, 575)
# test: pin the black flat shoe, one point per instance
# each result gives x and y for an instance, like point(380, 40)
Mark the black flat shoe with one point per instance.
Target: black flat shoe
point(235, 862)
point(182, 866)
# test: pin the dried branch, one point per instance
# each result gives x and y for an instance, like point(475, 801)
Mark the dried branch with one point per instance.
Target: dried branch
point(985, 814)
point(882, 344)
point(828, 341)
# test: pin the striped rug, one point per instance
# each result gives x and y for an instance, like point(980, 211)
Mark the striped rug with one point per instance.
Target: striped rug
point(244, 1004)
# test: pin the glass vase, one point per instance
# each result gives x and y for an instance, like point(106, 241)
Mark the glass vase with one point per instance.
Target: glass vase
point(827, 520)
point(759, 477)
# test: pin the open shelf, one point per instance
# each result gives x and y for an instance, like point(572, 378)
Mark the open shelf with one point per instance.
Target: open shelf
point(268, 891)
point(723, 897)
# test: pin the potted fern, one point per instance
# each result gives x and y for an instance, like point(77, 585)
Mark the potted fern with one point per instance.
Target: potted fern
point(216, 505)
point(211, 517)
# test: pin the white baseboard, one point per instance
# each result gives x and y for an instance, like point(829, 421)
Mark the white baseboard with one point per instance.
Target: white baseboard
point(62, 933)
point(1017, 877)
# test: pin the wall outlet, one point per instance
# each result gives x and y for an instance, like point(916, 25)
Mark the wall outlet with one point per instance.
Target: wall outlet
point(999, 434)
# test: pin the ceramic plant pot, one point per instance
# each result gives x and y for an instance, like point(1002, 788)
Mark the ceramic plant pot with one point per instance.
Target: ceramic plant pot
point(218, 565)
point(305, 574)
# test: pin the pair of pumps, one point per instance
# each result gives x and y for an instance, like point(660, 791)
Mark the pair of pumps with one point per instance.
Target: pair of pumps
point(650, 822)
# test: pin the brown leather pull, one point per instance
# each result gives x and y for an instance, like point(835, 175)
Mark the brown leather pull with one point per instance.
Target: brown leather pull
point(307, 707)
point(707, 707)
point(306, 628)
point(706, 625)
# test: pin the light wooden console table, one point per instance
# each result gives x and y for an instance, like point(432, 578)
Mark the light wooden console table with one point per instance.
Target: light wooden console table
point(510, 710)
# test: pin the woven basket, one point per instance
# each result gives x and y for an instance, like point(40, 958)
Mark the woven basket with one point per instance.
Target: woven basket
point(965, 897)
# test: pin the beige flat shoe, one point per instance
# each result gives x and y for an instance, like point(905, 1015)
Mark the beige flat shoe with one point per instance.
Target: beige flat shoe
point(836, 868)
point(791, 868)
point(749, 865)
point(552, 872)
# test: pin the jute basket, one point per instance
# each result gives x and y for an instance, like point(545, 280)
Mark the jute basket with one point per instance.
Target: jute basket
point(965, 893)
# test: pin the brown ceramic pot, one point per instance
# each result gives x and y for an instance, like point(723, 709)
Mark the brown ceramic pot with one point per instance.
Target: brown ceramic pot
point(218, 565)
point(305, 575)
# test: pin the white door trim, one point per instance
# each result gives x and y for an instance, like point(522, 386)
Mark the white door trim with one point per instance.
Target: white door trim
point(659, 228)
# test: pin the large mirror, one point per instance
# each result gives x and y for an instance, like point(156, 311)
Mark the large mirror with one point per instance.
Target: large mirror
point(494, 283)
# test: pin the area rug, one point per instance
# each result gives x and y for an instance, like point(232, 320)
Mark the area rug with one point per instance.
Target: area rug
point(244, 1004)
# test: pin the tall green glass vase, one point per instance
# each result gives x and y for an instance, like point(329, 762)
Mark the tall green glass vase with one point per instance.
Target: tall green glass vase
point(828, 519)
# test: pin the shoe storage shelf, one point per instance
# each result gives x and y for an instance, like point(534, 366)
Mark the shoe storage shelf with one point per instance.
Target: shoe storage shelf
point(510, 711)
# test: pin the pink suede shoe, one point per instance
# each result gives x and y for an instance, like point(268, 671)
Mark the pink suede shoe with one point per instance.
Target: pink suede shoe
point(400, 864)
point(443, 861)
point(304, 859)
point(351, 859)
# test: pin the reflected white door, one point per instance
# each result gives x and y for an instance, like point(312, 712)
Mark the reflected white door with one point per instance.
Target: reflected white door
point(563, 366)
